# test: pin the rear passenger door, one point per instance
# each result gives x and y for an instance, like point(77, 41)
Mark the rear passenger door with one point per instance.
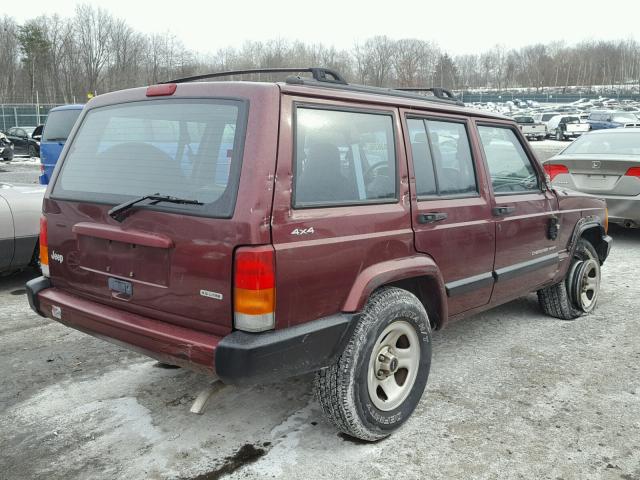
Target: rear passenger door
point(339, 205)
point(451, 209)
point(526, 253)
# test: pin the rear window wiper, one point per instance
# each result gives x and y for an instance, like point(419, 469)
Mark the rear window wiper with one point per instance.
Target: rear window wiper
point(118, 212)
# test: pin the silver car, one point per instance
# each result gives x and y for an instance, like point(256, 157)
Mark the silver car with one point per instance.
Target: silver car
point(605, 163)
point(20, 207)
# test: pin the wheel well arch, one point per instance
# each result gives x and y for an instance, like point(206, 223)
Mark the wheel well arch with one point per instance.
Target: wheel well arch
point(427, 289)
point(594, 233)
point(417, 274)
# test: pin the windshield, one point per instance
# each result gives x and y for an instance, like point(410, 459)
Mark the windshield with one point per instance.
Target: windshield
point(524, 119)
point(183, 148)
point(59, 124)
point(627, 143)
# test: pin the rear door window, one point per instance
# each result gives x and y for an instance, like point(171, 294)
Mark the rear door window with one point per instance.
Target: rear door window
point(190, 149)
point(343, 158)
point(442, 159)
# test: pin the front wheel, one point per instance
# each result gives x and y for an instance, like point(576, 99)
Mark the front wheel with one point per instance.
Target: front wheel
point(378, 380)
point(578, 293)
point(559, 135)
point(32, 151)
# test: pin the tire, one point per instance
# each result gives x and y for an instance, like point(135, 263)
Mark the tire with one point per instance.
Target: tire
point(32, 151)
point(559, 135)
point(35, 258)
point(350, 392)
point(567, 300)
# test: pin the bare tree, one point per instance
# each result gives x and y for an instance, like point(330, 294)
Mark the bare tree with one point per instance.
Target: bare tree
point(93, 27)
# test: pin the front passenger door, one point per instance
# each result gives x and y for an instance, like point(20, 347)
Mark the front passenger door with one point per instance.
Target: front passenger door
point(451, 207)
point(526, 251)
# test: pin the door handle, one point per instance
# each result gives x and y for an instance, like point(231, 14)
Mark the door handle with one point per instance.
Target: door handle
point(432, 217)
point(502, 211)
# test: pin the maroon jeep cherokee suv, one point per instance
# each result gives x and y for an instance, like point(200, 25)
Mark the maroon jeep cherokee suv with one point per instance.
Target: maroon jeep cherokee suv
point(255, 231)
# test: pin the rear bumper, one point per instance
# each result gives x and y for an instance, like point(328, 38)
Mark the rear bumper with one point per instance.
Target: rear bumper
point(238, 358)
point(166, 342)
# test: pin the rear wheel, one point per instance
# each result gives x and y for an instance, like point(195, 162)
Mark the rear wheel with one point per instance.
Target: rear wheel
point(32, 151)
point(378, 380)
point(559, 135)
point(578, 293)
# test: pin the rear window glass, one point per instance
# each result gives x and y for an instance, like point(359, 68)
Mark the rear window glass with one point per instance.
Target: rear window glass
point(611, 143)
point(184, 148)
point(59, 125)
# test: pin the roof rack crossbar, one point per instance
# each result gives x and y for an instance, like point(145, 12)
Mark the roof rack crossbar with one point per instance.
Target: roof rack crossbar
point(437, 92)
point(319, 74)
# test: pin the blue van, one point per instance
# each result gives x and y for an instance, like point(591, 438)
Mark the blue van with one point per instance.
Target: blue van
point(56, 130)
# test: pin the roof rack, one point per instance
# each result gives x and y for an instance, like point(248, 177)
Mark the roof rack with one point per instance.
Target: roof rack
point(395, 92)
point(437, 92)
point(318, 74)
point(325, 77)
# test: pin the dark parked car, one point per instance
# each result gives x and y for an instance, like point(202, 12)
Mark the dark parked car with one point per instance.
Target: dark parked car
point(60, 121)
point(610, 119)
point(23, 141)
point(604, 163)
point(256, 231)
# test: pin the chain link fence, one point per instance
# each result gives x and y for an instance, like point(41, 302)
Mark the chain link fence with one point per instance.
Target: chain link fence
point(23, 114)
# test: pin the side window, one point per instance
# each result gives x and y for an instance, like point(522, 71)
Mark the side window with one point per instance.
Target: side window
point(343, 158)
point(510, 169)
point(442, 158)
point(422, 161)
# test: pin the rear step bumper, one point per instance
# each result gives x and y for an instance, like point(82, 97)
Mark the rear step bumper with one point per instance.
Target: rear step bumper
point(166, 342)
point(239, 358)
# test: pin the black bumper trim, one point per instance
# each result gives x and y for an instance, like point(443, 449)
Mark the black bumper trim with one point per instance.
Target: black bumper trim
point(603, 248)
point(33, 287)
point(250, 358)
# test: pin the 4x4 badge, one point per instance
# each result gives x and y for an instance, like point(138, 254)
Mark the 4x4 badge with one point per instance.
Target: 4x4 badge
point(303, 231)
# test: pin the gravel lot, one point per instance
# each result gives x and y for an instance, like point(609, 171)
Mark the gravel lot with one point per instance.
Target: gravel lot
point(20, 170)
point(512, 394)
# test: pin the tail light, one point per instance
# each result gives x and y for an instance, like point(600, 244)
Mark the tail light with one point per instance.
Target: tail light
point(254, 289)
point(633, 172)
point(44, 246)
point(555, 169)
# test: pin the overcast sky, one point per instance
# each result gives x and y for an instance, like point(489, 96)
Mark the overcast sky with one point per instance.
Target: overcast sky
point(457, 26)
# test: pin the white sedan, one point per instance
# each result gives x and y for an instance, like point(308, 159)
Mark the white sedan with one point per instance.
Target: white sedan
point(20, 207)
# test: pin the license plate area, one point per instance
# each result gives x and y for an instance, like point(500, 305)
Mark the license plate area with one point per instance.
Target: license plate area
point(121, 288)
point(145, 264)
